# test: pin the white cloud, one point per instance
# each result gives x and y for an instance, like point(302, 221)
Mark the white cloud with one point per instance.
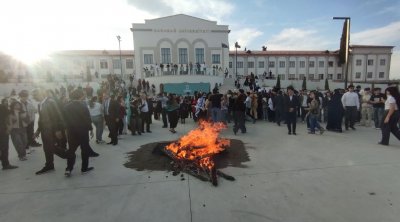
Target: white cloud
point(243, 36)
point(389, 34)
point(297, 39)
point(208, 9)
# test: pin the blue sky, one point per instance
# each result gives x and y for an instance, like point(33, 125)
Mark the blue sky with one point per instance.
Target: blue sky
point(35, 28)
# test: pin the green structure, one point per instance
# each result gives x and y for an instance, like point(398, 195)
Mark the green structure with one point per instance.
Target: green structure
point(186, 88)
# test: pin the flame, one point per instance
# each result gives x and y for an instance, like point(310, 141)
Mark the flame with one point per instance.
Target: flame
point(200, 144)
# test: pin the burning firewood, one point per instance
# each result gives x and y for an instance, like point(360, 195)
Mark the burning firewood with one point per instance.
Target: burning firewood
point(193, 153)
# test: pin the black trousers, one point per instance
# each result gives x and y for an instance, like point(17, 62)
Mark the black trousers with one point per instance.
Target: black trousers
point(164, 118)
point(239, 121)
point(112, 127)
point(136, 124)
point(173, 119)
point(350, 116)
point(278, 116)
point(50, 148)
point(291, 121)
point(78, 138)
point(145, 116)
point(390, 127)
point(29, 133)
point(4, 146)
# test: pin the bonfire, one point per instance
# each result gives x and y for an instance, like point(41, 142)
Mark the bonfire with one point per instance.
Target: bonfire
point(194, 152)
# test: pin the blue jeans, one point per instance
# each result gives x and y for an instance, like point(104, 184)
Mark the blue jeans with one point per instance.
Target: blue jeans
point(216, 114)
point(378, 117)
point(98, 123)
point(313, 118)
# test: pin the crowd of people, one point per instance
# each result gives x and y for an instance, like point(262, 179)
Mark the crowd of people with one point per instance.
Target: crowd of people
point(128, 109)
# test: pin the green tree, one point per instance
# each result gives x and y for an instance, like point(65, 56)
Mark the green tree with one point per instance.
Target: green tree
point(326, 84)
point(304, 85)
point(278, 82)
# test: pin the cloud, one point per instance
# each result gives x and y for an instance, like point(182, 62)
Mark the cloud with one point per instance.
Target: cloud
point(297, 39)
point(244, 37)
point(387, 35)
point(208, 9)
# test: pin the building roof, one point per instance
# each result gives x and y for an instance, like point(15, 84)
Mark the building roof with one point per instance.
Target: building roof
point(93, 53)
point(371, 46)
point(285, 53)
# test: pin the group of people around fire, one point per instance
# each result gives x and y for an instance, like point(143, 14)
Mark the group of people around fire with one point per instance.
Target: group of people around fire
point(124, 108)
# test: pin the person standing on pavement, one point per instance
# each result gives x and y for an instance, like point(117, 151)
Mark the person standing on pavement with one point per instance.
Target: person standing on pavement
point(240, 112)
point(97, 116)
point(111, 115)
point(391, 116)
point(351, 105)
point(313, 113)
point(145, 114)
point(366, 108)
point(50, 127)
point(215, 100)
point(291, 103)
point(78, 127)
point(378, 104)
point(30, 109)
point(4, 137)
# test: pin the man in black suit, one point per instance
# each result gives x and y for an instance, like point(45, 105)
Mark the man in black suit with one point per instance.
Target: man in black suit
point(146, 107)
point(78, 125)
point(50, 127)
point(291, 103)
point(111, 115)
point(4, 137)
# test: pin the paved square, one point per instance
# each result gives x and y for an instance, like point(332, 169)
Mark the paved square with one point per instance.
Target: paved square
point(304, 178)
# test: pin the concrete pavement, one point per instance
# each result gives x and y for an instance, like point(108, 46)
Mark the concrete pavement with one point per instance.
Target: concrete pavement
point(304, 178)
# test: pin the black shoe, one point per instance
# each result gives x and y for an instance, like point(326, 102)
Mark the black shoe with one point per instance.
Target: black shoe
point(110, 143)
point(290, 133)
point(139, 133)
point(347, 128)
point(352, 127)
point(94, 154)
point(35, 144)
point(294, 134)
point(114, 144)
point(148, 131)
point(380, 143)
point(45, 170)
point(9, 167)
point(143, 132)
point(87, 170)
point(68, 173)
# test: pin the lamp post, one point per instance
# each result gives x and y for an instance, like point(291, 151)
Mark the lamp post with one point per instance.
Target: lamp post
point(347, 43)
point(120, 56)
point(236, 47)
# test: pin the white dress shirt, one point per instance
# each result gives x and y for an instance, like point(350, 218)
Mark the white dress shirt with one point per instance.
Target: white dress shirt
point(351, 99)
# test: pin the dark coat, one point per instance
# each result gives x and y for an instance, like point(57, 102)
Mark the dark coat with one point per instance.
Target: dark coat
point(294, 103)
point(51, 116)
point(77, 116)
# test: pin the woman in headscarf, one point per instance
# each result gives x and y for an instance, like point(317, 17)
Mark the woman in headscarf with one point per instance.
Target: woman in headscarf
point(335, 112)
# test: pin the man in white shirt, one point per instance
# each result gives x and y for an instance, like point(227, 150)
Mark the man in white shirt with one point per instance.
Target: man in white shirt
point(351, 105)
point(145, 114)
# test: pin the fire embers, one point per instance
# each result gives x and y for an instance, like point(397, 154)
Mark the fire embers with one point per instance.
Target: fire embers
point(193, 153)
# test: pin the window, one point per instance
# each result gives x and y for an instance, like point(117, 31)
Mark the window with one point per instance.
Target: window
point(321, 64)
point(282, 76)
point(330, 76)
point(339, 64)
point(311, 76)
point(292, 76)
point(358, 62)
point(216, 59)
point(369, 75)
point(90, 64)
point(382, 62)
point(381, 75)
point(292, 64)
point(240, 65)
point(250, 65)
point(320, 76)
point(302, 64)
point(301, 76)
point(183, 56)
point(370, 62)
point(330, 64)
point(199, 55)
point(271, 64)
point(148, 58)
point(282, 64)
point(358, 75)
point(339, 76)
point(103, 64)
point(311, 64)
point(260, 64)
point(165, 55)
point(230, 65)
point(116, 64)
point(129, 63)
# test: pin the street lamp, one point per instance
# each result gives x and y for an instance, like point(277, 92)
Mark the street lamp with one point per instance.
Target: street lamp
point(236, 47)
point(346, 32)
point(120, 56)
